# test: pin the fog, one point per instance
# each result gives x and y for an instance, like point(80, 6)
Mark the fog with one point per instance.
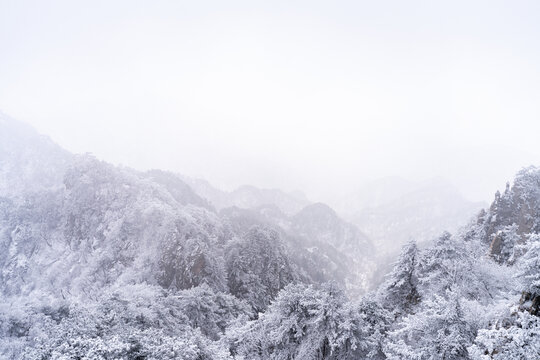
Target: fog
point(284, 95)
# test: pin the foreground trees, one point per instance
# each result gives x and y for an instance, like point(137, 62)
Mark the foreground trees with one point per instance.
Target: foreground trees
point(437, 331)
point(309, 323)
point(132, 322)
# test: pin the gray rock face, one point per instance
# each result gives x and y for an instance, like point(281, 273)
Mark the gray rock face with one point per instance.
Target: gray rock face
point(513, 214)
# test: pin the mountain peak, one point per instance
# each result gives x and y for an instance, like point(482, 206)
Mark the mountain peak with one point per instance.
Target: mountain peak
point(318, 210)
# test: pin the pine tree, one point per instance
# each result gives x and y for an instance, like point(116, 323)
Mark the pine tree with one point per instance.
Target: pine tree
point(400, 290)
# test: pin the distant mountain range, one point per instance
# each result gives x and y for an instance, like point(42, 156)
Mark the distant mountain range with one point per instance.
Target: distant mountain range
point(248, 196)
point(84, 216)
point(392, 211)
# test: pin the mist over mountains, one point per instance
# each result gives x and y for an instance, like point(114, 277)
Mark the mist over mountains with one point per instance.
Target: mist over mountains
point(248, 197)
point(390, 211)
point(116, 195)
point(105, 262)
point(393, 211)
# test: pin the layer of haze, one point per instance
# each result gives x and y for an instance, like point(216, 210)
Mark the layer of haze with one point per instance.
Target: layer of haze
point(317, 96)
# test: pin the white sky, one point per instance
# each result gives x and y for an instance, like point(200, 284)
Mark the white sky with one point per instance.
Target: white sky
point(317, 96)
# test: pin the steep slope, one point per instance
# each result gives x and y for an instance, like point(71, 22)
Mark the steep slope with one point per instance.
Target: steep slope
point(320, 251)
point(319, 222)
point(180, 191)
point(258, 267)
point(108, 225)
point(218, 198)
point(512, 215)
point(29, 162)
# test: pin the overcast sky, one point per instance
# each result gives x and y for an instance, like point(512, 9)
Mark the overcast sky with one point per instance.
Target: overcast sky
point(317, 96)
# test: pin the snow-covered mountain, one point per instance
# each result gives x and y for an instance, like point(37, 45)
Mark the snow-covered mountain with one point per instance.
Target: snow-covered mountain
point(323, 245)
point(320, 222)
point(248, 197)
point(393, 211)
point(79, 216)
point(105, 262)
point(472, 295)
point(78, 232)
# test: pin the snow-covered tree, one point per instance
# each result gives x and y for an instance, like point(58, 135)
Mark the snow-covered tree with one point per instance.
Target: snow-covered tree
point(529, 274)
point(451, 263)
point(129, 322)
point(439, 265)
point(437, 331)
point(400, 290)
point(190, 257)
point(211, 312)
point(258, 267)
point(517, 338)
point(309, 323)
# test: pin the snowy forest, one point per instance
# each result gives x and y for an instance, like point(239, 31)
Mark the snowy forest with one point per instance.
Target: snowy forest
point(104, 262)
